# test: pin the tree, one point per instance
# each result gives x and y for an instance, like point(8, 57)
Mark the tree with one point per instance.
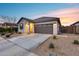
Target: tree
point(9, 19)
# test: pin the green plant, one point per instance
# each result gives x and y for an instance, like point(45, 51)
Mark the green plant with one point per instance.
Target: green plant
point(76, 42)
point(51, 45)
point(19, 33)
point(2, 34)
point(2, 30)
point(7, 35)
point(8, 30)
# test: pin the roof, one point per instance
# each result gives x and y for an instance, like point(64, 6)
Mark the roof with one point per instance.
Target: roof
point(9, 24)
point(46, 19)
point(74, 23)
point(41, 19)
point(23, 18)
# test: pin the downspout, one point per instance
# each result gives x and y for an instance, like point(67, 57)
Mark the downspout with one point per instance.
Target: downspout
point(29, 28)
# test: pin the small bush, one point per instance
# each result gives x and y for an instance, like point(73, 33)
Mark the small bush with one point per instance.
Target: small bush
point(76, 42)
point(2, 34)
point(19, 33)
point(54, 37)
point(7, 36)
point(51, 45)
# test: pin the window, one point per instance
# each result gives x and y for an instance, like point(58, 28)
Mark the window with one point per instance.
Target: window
point(21, 26)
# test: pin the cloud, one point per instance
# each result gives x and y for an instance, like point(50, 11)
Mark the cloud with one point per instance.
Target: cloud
point(67, 16)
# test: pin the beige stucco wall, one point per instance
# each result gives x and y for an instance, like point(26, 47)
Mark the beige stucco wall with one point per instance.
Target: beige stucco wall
point(22, 22)
point(31, 27)
point(28, 27)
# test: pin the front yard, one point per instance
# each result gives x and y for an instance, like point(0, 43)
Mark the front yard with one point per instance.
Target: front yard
point(21, 45)
point(63, 46)
point(60, 45)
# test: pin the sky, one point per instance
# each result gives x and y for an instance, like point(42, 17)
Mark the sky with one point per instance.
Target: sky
point(67, 12)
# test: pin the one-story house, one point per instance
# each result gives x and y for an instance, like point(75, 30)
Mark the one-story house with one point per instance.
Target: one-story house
point(45, 25)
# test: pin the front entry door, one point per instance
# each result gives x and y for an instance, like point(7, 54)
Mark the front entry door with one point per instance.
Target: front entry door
point(27, 28)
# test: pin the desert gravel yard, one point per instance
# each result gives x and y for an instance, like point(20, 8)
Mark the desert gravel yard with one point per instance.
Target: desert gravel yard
point(63, 46)
point(38, 44)
point(1, 38)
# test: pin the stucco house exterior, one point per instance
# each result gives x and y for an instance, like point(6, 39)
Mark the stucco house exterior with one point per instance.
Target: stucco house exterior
point(44, 25)
point(25, 25)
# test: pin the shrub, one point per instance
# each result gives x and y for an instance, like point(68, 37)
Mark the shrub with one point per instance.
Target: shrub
point(19, 33)
point(54, 37)
point(51, 45)
point(16, 30)
point(2, 30)
point(8, 30)
point(76, 42)
point(2, 34)
point(7, 35)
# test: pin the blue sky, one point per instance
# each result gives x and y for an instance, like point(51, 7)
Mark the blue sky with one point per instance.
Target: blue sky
point(65, 11)
point(29, 9)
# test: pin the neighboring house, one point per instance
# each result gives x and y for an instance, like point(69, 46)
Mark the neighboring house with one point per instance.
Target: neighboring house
point(8, 25)
point(66, 29)
point(45, 25)
point(75, 27)
point(1, 25)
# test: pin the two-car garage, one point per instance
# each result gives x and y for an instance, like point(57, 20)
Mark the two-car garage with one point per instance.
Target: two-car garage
point(44, 28)
point(47, 25)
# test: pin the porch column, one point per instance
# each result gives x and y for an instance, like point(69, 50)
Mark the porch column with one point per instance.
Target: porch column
point(55, 29)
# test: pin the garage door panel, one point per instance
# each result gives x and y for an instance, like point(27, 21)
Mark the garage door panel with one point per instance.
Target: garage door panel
point(77, 29)
point(44, 28)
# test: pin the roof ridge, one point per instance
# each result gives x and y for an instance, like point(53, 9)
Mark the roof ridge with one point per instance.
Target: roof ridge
point(75, 23)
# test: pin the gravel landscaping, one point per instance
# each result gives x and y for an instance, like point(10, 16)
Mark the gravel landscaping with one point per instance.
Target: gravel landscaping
point(63, 46)
point(38, 44)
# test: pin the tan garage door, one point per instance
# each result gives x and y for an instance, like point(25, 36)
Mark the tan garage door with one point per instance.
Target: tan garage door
point(44, 28)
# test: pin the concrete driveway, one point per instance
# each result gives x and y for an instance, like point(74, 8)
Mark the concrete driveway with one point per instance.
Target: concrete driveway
point(30, 41)
point(9, 49)
point(21, 45)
